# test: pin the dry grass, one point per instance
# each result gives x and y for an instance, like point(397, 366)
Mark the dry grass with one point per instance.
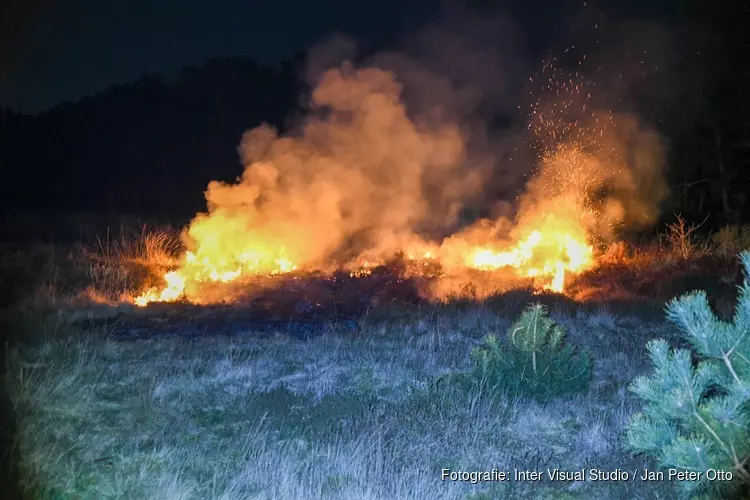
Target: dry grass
point(678, 261)
point(731, 240)
point(338, 417)
point(105, 270)
point(43, 279)
point(157, 246)
point(116, 265)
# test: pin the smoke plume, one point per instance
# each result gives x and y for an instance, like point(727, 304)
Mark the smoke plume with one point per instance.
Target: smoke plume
point(358, 175)
point(425, 148)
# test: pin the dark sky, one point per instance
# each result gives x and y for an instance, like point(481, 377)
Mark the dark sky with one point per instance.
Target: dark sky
point(57, 50)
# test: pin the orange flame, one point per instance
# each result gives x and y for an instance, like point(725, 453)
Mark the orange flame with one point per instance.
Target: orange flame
point(539, 255)
point(212, 265)
point(357, 177)
point(542, 254)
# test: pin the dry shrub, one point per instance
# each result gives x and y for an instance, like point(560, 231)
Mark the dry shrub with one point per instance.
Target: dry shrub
point(731, 240)
point(616, 253)
point(682, 240)
point(160, 247)
point(134, 260)
point(110, 269)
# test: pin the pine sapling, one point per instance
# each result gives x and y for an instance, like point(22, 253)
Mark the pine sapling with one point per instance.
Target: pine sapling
point(697, 414)
point(534, 332)
point(535, 360)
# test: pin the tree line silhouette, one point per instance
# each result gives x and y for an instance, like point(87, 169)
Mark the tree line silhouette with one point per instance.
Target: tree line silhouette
point(151, 146)
point(148, 147)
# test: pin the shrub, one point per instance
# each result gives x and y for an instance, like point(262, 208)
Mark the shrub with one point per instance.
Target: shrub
point(616, 253)
point(697, 414)
point(535, 360)
point(729, 240)
point(681, 237)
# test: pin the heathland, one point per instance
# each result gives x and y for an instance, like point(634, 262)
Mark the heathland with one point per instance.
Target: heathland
point(293, 391)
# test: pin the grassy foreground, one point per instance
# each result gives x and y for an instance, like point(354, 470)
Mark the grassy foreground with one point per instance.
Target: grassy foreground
point(342, 416)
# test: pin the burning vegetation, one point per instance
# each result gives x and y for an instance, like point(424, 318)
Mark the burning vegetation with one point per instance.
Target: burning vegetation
point(362, 179)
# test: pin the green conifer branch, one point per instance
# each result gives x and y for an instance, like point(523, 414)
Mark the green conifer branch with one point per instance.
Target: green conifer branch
point(698, 417)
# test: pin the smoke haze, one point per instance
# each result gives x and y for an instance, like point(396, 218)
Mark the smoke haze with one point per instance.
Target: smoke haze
point(400, 148)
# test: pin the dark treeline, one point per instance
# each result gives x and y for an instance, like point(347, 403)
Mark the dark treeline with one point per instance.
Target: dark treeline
point(710, 156)
point(150, 147)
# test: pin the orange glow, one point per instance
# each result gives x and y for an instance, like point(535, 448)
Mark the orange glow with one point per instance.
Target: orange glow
point(172, 291)
point(548, 242)
point(539, 255)
point(363, 181)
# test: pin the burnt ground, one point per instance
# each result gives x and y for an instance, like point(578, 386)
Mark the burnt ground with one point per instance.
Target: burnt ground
point(303, 306)
point(300, 305)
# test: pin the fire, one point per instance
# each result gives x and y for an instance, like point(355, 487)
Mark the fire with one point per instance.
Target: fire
point(539, 255)
point(213, 265)
point(550, 241)
point(542, 254)
point(363, 180)
point(173, 290)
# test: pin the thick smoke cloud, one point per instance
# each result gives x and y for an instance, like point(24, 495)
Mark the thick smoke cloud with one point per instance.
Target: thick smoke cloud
point(352, 178)
point(400, 146)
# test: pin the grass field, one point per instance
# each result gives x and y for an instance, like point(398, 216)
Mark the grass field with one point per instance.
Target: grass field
point(341, 416)
point(351, 415)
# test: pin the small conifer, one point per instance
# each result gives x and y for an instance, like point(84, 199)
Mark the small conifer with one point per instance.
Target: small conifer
point(697, 413)
point(535, 360)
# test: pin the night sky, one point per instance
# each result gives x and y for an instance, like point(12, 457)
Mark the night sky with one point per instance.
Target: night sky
point(53, 51)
